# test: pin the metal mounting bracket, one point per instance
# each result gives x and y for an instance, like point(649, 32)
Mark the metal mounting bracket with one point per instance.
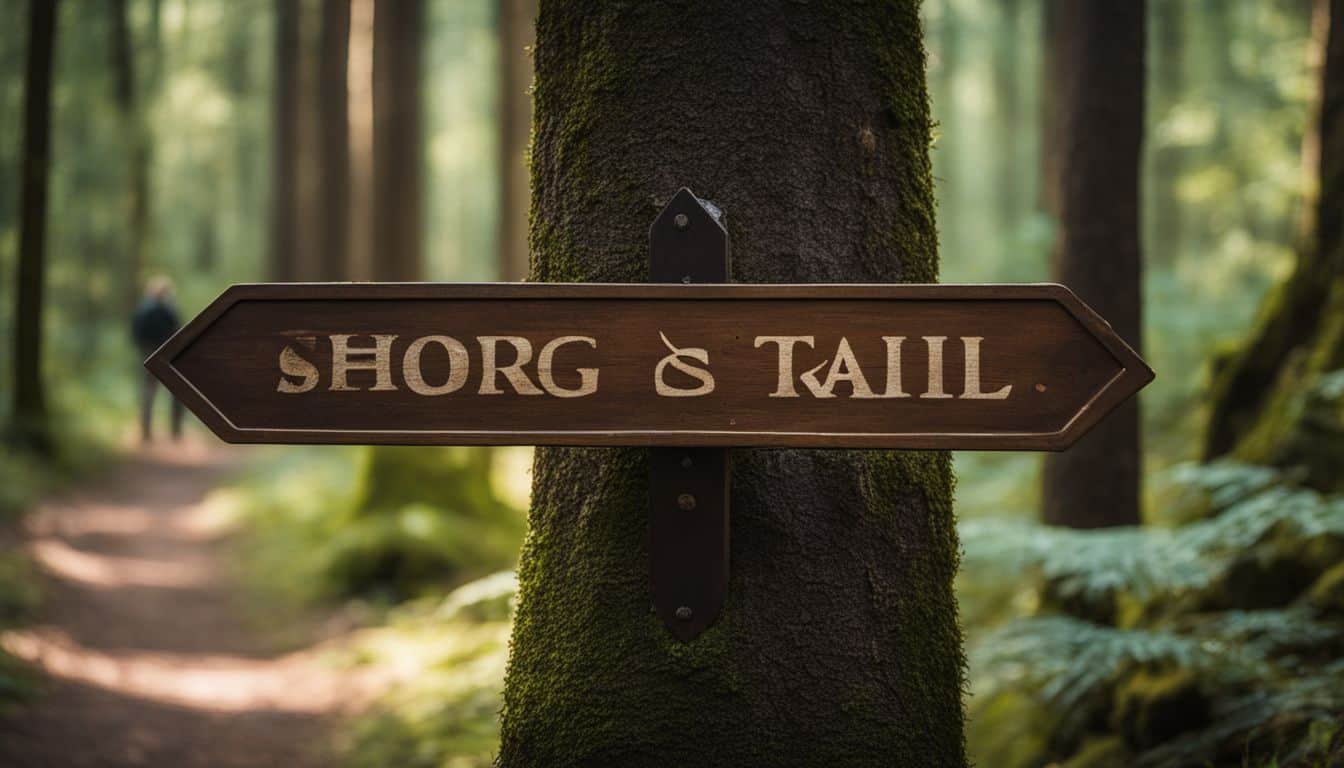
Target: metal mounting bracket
point(688, 487)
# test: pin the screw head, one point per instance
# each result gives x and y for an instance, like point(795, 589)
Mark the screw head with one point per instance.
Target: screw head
point(681, 220)
point(686, 501)
point(686, 462)
point(684, 613)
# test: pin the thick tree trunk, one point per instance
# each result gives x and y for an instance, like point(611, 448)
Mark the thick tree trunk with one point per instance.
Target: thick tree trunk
point(838, 643)
point(397, 147)
point(515, 20)
point(1262, 402)
point(1099, 100)
point(284, 246)
point(334, 141)
point(29, 408)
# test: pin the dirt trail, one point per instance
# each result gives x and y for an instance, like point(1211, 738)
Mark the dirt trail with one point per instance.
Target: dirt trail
point(149, 661)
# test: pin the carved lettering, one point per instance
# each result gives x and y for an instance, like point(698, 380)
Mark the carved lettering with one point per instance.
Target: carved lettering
point(293, 364)
point(381, 364)
point(935, 391)
point(972, 388)
point(458, 366)
point(545, 370)
point(702, 375)
point(513, 372)
point(784, 385)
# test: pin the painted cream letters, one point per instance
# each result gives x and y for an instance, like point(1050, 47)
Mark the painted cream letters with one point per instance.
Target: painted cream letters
point(381, 363)
point(699, 374)
point(844, 367)
point(299, 374)
point(458, 363)
point(546, 372)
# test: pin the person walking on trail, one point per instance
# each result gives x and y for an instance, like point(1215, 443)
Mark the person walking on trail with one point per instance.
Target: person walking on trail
point(155, 321)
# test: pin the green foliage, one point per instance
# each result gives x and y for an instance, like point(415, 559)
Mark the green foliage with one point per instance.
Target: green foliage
point(19, 590)
point(444, 712)
point(1176, 660)
point(19, 596)
point(331, 524)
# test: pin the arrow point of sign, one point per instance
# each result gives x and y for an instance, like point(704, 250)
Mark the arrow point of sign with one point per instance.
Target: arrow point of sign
point(1134, 374)
point(160, 364)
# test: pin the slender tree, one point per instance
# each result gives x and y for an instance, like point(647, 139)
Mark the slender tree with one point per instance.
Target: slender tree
point(29, 409)
point(947, 38)
point(334, 140)
point(838, 644)
point(1007, 103)
point(398, 152)
point(1098, 101)
point(1052, 43)
point(285, 108)
point(1163, 211)
point(514, 20)
point(132, 88)
point(1263, 410)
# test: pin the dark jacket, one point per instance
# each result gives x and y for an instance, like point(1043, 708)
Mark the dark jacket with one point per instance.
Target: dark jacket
point(153, 323)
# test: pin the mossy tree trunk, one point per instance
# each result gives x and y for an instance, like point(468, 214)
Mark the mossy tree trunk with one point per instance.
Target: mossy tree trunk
point(1097, 108)
point(838, 643)
point(28, 409)
point(1263, 406)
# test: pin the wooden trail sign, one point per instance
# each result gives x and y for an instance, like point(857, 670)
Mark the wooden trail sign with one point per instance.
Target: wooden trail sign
point(1024, 367)
point(827, 366)
point(682, 365)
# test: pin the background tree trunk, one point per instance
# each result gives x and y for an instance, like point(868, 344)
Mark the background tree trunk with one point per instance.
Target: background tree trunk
point(516, 29)
point(948, 188)
point(838, 644)
point(125, 92)
point(398, 154)
point(284, 247)
point(334, 141)
point(1052, 45)
point(29, 408)
point(1264, 408)
point(1007, 107)
point(1163, 212)
point(1099, 102)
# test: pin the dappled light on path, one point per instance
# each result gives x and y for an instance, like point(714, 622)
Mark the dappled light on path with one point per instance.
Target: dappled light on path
point(148, 651)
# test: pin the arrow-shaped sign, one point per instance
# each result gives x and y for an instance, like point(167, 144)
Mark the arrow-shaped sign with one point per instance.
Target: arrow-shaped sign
point(1023, 367)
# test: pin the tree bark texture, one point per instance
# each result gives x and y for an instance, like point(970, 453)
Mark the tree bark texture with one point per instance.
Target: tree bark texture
point(334, 141)
point(398, 153)
point(284, 245)
point(838, 643)
point(515, 19)
point(1099, 105)
point(29, 408)
point(1262, 410)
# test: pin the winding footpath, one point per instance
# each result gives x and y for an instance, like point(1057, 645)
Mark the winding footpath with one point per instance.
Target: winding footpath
point(148, 654)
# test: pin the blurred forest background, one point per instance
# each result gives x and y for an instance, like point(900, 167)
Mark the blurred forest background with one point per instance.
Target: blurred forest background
point(222, 141)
